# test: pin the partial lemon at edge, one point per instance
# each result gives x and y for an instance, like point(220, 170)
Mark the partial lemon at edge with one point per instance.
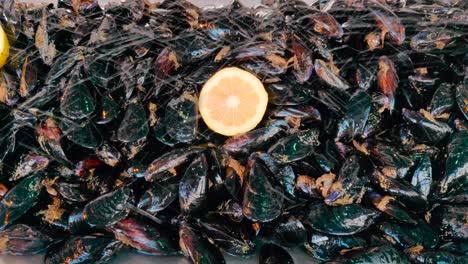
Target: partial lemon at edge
point(4, 47)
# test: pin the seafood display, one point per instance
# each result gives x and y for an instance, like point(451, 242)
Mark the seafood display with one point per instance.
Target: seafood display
point(108, 145)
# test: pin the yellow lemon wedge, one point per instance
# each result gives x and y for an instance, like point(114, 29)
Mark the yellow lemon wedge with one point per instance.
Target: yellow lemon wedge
point(233, 101)
point(4, 47)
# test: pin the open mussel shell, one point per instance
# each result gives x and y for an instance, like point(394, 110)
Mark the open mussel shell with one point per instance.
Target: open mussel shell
point(108, 154)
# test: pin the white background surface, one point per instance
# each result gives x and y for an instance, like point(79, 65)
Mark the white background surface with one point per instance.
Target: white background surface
point(298, 255)
point(299, 258)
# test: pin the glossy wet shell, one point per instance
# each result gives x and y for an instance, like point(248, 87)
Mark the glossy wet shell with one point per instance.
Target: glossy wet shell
point(341, 220)
point(409, 236)
point(109, 208)
point(79, 249)
point(182, 118)
point(134, 125)
point(428, 131)
point(357, 113)
point(23, 240)
point(85, 134)
point(462, 97)
point(158, 197)
point(326, 247)
point(451, 221)
point(295, 147)
point(442, 100)
point(422, 177)
point(255, 139)
point(145, 238)
point(290, 232)
point(77, 102)
point(349, 187)
point(329, 76)
point(19, 199)
point(30, 164)
point(263, 200)
point(455, 179)
point(440, 257)
point(197, 248)
point(390, 206)
point(169, 160)
point(193, 185)
point(391, 157)
point(273, 254)
point(384, 254)
point(284, 94)
point(401, 190)
point(234, 239)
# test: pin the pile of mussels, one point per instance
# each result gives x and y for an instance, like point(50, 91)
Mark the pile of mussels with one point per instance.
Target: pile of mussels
point(362, 156)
